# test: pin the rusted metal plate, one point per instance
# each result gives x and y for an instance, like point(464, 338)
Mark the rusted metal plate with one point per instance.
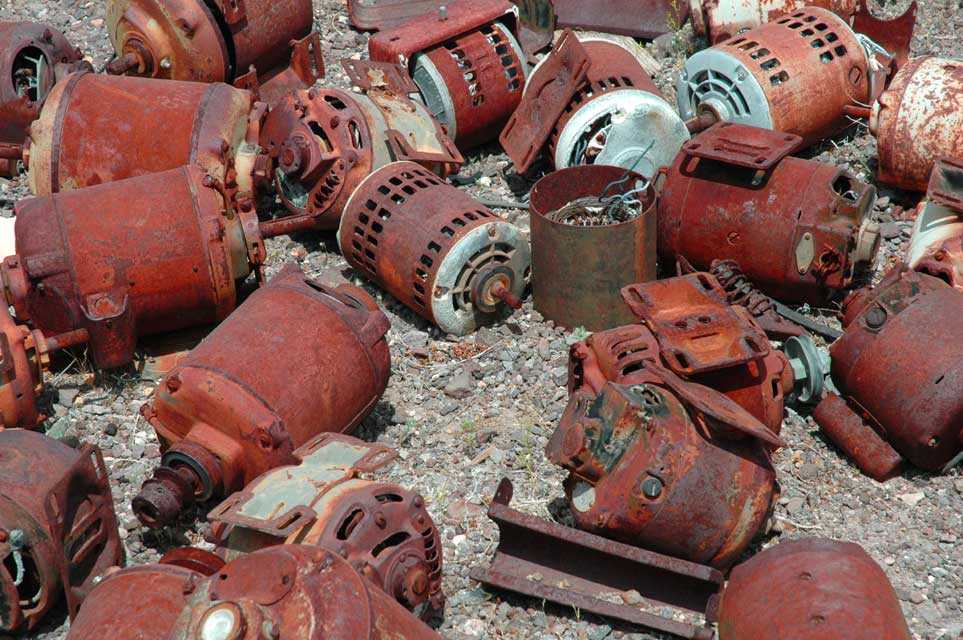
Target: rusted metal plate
point(172, 264)
point(899, 368)
point(796, 243)
point(798, 74)
point(936, 245)
point(79, 141)
point(57, 526)
point(646, 19)
point(370, 75)
point(725, 144)
point(226, 415)
point(698, 331)
point(587, 572)
point(546, 97)
point(383, 530)
point(914, 121)
point(718, 20)
point(435, 248)
point(893, 35)
point(810, 589)
point(33, 57)
point(758, 381)
point(578, 272)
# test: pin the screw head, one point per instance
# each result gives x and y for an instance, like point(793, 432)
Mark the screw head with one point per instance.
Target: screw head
point(651, 488)
point(875, 318)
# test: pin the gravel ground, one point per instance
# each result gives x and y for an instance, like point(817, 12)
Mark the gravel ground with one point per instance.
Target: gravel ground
point(466, 412)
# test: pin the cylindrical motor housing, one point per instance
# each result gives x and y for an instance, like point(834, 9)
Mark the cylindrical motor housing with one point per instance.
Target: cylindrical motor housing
point(97, 128)
point(648, 471)
point(916, 121)
point(580, 270)
point(383, 530)
point(202, 41)
point(58, 531)
point(141, 256)
point(718, 20)
point(291, 591)
point(795, 75)
point(618, 116)
point(433, 247)
point(466, 62)
point(800, 230)
point(810, 589)
point(324, 142)
point(226, 414)
point(33, 57)
point(900, 366)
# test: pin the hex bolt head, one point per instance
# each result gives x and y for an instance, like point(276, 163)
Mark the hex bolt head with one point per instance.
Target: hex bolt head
point(875, 318)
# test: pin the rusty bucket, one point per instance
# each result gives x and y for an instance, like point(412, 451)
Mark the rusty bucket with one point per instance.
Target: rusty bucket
point(578, 272)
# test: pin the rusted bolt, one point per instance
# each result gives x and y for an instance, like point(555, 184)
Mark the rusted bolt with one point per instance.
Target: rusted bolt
point(418, 502)
point(380, 520)
point(173, 383)
point(875, 318)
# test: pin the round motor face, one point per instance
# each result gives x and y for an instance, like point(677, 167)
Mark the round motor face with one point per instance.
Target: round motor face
point(436, 94)
point(716, 82)
point(628, 128)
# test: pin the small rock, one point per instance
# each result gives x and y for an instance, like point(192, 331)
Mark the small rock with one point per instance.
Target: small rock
point(916, 597)
point(544, 349)
point(486, 337)
point(110, 429)
point(97, 23)
point(632, 597)
point(911, 499)
point(958, 485)
point(795, 505)
point(67, 395)
point(460, 385)
point(889, 230)
point(809, 471)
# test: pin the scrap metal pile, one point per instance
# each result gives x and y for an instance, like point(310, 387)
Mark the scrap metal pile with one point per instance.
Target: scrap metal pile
point(678, 234)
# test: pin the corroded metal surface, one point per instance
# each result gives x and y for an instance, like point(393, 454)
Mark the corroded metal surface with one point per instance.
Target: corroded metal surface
point(97, 128)
point(226, 414)
point(638, 18)
point(322, 143)
point(742, 292)
point(811, 589)
point(58, 531)
point(800, 230)
point(33, 57)
point(936, 245)
point(905, 326)
point(466, 62)
point(550, 562)
point(132, 258)
point(435, 248)
point(578, 272)
point(915, 121)
point(798, 75)
point(294, 591)
point(217, 41)
point(666, 465)
point(382, 530)
point(688, 321)
point(719, 20)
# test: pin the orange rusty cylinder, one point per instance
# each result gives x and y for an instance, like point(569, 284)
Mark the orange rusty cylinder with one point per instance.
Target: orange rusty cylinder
point(757, 380)
point(217, 41)
point(382, 530)
point(811, 589)
point(322, 143)
point(128, 259)
point(233, 409)
point(58, 531)
point(616, 114)
point(96, 128)
point(916, 121)
point(33, 58)
point(796, 75)
point(590, 101)
point(578, 272)
point(466, 62)
point(666, 465)
point(435, 248)
point(936, 245)
point(291, 591)
point(800, 230)
point(718, 20)
point(899, 366)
